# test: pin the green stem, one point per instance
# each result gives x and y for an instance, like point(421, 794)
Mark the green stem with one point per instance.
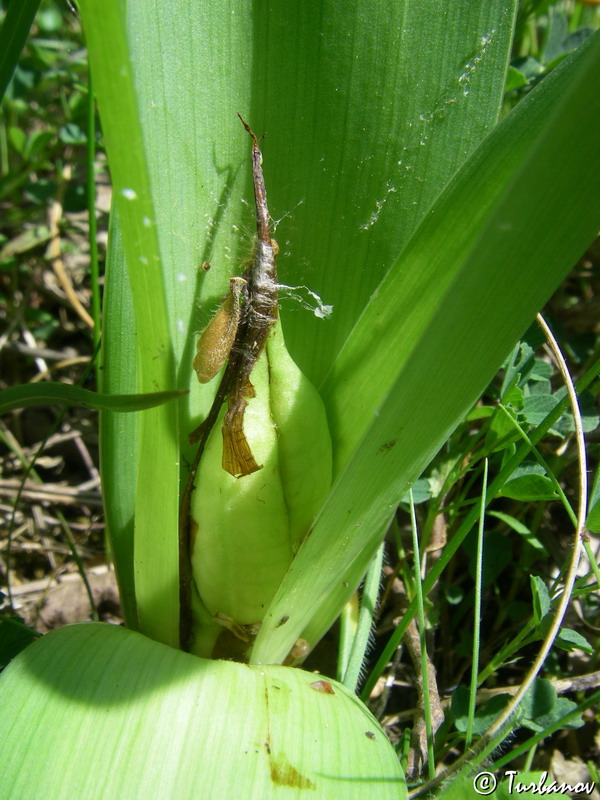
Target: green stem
point(477, 610)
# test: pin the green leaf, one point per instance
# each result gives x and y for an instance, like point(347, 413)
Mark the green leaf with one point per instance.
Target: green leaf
point(421, 490)
point(529, 483)
point(502, 430)
point(530, 67)
point(480, 412)
point(561, 708)
point(539, 700)
point(485, 714)
point(560, 40)
point(520, 528)
point(119, 432)
point(89, 696)
point(514, 397)
point(541, 598)
point(515, 79)
point(593, 518)
point(589, 414)
point(557, 33)
point(542, 370)
point(156, 552)
point(45, 394)
point(71, 134)
point(518, 366)
point(37, 142)
point(570, 640)
point(538, 406)
point(529, 488)
point(17, 138)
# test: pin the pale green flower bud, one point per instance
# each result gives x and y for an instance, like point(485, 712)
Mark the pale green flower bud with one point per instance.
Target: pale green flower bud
point(246, 530)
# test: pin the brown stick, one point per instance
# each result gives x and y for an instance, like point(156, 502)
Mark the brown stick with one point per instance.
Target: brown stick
point(255, 321)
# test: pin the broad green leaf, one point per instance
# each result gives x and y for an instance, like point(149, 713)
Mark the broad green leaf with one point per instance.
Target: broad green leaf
point(100, 712)
point(119, 452)
point(45, 394)
point(156, 552)
point(369, 109)
point(488, 255)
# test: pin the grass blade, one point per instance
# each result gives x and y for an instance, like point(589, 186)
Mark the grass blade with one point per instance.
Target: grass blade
point(15, 30)
point(44, 394)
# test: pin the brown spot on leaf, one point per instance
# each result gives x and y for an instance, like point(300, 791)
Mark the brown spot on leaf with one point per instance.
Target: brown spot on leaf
point(284, 774)
point(387, 446)
point(322, 686)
